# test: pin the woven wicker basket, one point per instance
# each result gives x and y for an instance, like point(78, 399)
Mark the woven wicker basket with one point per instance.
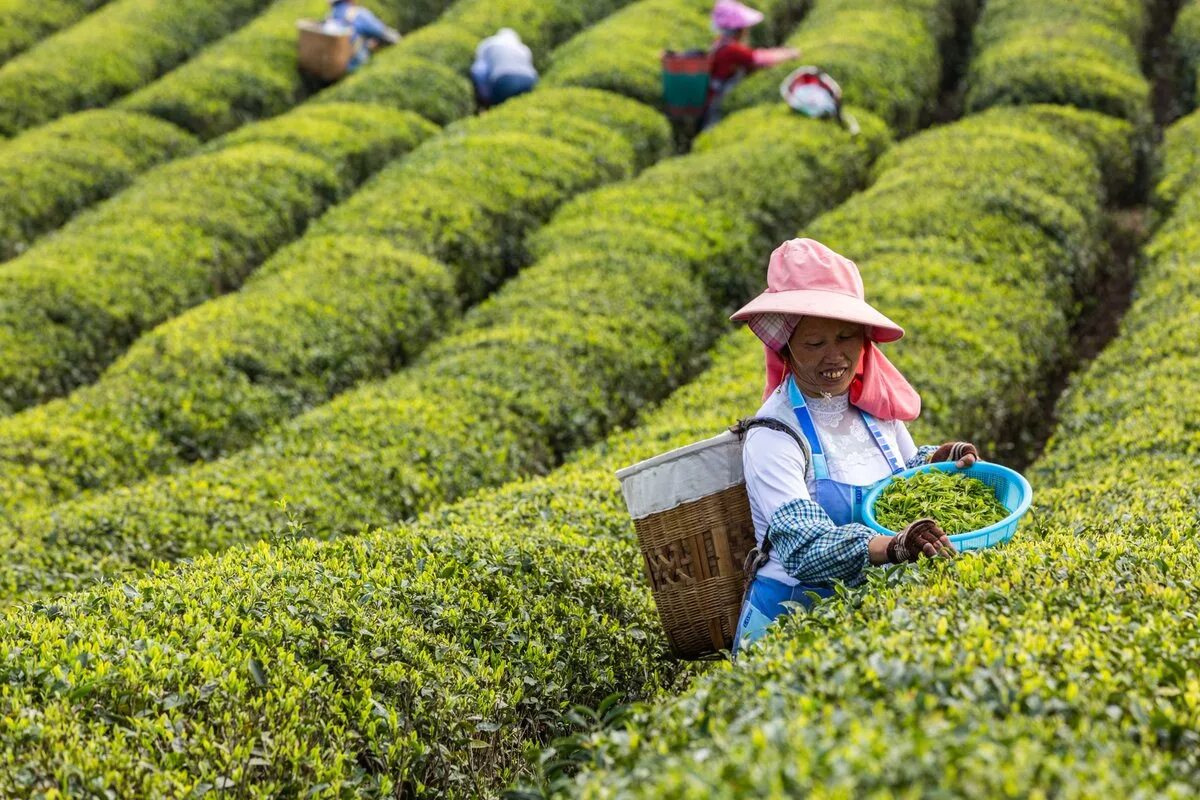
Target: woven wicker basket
point(694, 530)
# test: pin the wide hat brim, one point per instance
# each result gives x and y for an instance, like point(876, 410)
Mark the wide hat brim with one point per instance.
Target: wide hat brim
point(819, 303)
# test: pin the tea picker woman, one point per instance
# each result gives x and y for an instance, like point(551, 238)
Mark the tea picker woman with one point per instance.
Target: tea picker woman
point(731, 57)
point(836, 409)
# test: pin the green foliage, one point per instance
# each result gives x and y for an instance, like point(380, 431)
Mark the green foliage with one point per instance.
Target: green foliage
point(1073, 52)
point(119, 48)
point(346, 302)
point(884, 56)
point(183, 233)
point(23, 23)
point(49, 173)
point(616, 311)
point(1186, 39)
point(995, 674)
point(958, 503)
point(253, 74)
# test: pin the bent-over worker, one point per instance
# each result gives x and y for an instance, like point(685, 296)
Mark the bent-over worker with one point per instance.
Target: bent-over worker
point(367, 31)
point(503, 68)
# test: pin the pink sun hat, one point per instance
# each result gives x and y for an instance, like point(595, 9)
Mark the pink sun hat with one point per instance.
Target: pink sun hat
point(807, 279)
point(730, 15)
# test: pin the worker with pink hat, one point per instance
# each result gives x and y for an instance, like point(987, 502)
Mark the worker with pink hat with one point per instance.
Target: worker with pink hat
point(835, 409)
point(731, 58)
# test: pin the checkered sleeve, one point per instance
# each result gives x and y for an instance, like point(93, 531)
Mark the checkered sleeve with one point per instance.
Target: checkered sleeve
point(815, 551)
point(922, 456)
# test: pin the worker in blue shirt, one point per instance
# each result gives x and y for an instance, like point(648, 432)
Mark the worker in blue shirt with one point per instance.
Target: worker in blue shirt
point(369, 32)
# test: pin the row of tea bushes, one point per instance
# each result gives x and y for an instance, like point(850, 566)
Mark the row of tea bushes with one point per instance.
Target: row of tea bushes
point(217, 91)
point(119, 48)
point(623, 54)
point(352, 299)
point(23, 23)
point(418, 661)
point(1186, 36)
point(190, 229)
point(252, 74)
point(203, 384)
point(954, 678)
point(1074, 52)
point(608, 319)
point(886, 56)
point(51, 172)
point(62, 342)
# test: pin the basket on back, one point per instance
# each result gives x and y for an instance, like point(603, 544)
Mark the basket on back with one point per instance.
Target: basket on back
point(694, 531)
point(685, 83)
point(322, 53)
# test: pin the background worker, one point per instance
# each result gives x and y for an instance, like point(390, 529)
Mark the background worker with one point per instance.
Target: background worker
point(503, 69)
point(368, 31)
point(732, 58)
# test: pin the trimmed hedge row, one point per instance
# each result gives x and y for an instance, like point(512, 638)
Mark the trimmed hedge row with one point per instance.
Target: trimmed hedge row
point(252, 73)
point(23, 23)
point(190, 229)
point(622, 54)
point(431, 64)
point(607, 320)
point(1186, 39)
point(929, 681)
point(349, 301)
point(203, 96)
point(389, 653)
point(49, 173)
point(885, 56)
point(119, 48)
point(1076, 52)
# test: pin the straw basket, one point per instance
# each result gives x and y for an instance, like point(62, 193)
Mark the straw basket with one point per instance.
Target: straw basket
point(322, 54)
point(694, 530)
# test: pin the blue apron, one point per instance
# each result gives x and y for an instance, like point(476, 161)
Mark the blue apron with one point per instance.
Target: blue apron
point(843, 503)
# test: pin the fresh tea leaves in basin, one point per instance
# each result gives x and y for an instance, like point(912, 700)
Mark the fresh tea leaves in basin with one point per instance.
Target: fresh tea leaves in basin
point(958, 503)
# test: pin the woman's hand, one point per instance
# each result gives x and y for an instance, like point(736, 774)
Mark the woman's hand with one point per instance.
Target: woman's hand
point(963, 454)
point(920, 538)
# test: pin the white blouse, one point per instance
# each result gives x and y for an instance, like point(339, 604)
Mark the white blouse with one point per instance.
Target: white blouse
point(777, 471)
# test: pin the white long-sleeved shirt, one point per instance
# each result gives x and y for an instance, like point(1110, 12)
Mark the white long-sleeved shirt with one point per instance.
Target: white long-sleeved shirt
point(500, 55)
point(807, 547)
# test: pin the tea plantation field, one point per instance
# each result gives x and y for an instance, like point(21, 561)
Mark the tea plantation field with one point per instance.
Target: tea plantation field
point(311, 400)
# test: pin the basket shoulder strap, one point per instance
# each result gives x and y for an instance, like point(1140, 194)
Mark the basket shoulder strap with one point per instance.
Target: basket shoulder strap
point(744, 426)
point(757, 557)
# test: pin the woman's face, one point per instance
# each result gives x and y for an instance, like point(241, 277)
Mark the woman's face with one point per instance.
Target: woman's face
point(823, 355)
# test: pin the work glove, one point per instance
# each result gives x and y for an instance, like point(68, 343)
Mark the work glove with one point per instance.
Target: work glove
point(920, 538)
point(963, 454)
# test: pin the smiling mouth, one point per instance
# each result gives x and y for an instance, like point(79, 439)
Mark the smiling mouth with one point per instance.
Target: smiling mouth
point(834, 374)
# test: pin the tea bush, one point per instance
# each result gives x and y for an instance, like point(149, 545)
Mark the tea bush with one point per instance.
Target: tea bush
point(51, 172)
point(350, 300)
point(621, 302)
point(122, 46)
point(996, 674)
point(1186, 38)
point(57, 359)
point(1074, 52)
point(188, 230)
point(23, 23)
